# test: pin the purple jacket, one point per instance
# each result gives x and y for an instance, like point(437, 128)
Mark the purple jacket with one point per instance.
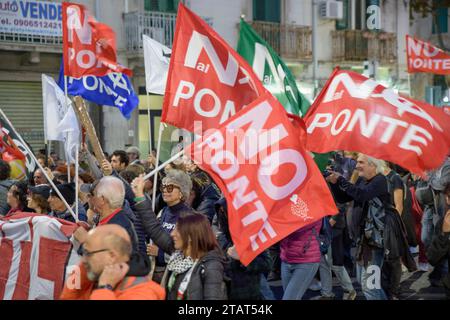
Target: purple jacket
point(302, 245)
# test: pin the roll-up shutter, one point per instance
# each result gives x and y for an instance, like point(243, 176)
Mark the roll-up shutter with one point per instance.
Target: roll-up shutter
point(22, 104)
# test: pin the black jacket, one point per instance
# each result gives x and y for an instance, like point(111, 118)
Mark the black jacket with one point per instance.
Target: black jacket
point(438, 251)
point(395, 240)
point(207, 280)
point(361, 192)
point(153, 227)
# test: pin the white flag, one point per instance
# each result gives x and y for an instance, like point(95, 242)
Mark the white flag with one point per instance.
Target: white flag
point(157, 60)
point(54, 108)
point(71, 130)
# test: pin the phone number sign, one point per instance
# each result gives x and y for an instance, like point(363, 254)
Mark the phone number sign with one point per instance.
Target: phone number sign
point(31, 17)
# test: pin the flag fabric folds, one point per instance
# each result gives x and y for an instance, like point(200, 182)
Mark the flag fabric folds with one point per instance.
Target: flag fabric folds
point(271, 70)
point(424, 57)
point(355, 113)
point(55, 107)
point(272, 186)
point(89, 47)
point(114, 89)
point(208, 81)
point(157, 60)
point(36, 257)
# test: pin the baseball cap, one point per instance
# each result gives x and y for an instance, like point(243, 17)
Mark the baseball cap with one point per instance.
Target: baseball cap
point(42, 190)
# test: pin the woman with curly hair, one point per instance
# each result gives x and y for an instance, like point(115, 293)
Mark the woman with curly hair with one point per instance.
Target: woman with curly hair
point(17, 198)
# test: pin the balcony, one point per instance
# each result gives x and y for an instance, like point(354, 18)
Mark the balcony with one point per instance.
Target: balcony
point(19, 41)
point(360, 45)
point(159, 26)
point(289, 41)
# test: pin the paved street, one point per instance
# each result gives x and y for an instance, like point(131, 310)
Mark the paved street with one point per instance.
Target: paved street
point(414, 286)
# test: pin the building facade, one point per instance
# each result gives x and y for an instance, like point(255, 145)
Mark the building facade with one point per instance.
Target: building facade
point(370, 30)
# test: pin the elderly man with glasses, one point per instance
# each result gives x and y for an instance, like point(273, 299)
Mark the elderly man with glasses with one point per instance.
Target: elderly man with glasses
point(107, 271)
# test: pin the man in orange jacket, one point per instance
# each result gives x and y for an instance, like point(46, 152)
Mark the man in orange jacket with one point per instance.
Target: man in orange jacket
point(106, 271)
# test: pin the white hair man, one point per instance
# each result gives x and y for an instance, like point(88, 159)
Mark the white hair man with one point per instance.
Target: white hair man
point(106, 201)
point(370, 185)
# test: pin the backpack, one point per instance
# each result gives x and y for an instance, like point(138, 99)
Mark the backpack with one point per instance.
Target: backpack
point(374, 223)
point(325, 235)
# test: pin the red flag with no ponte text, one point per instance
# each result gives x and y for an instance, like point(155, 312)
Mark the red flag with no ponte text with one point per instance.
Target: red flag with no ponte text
point(208, 81)
point(89, 47)
point(355, 113)
point(424, 57)
point(272, 185)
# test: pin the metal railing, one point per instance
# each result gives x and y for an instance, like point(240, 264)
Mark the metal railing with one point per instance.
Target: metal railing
point(360, 45)
point(31, 39)
point(290, 41)
point(159, 26)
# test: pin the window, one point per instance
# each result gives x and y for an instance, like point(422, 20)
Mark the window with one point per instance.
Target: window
point(170, 6)
point(346, 21)
point(442, 18)
point(267, 10)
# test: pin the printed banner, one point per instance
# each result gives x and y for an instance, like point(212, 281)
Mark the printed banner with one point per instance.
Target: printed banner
point(272, 185)
point(40, 18)
point(36, 256)
point(424, 57)
point(354, 113)
point(208, 81)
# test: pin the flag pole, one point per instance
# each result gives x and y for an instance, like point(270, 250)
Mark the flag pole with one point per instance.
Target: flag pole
point(158, 154)
point(67, 97)
point(25, 145)
point(76, 180)
point(149, 125)
point(158, 168)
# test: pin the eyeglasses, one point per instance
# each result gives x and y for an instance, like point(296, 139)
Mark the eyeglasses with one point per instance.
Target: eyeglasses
point(88, 254)
point(168, 187)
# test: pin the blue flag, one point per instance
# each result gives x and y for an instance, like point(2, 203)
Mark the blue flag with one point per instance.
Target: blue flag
point(114, 89)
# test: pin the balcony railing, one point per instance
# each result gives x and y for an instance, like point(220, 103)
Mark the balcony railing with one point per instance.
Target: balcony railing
point(46, 43)
point(360, 45)
point(159, 26)
point(290, 41)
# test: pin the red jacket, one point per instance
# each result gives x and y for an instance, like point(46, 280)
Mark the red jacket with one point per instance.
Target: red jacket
point(130, 288)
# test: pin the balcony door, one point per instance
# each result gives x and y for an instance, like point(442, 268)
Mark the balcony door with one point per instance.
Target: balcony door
point(168, 6)
point(267, 10)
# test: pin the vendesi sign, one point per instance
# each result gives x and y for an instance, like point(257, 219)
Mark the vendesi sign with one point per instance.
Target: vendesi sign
point(31, 17)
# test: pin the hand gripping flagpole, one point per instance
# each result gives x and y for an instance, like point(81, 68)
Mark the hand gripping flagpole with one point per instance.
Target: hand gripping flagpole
point(25, 145)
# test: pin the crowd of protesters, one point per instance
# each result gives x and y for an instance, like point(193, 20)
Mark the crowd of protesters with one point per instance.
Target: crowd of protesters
point(180, 247)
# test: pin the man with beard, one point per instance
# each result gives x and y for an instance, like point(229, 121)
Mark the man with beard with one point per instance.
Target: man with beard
point(107, 271)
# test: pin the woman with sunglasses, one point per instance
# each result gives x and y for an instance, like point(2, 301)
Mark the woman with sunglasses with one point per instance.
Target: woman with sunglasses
point(175, 188)
point(195, 268)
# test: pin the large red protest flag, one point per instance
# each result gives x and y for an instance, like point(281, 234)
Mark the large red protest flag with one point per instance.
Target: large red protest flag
point(208, 81)
point(272, 185)
point(424, 57)
point(355, 113)
point(89, 47)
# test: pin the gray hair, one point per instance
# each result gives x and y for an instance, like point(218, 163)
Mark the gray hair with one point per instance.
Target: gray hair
point(380, 165)
point(113, 190)
point(181, 179)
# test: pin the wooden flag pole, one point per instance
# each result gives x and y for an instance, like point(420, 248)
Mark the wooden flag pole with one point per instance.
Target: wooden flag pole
point(86, 122)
